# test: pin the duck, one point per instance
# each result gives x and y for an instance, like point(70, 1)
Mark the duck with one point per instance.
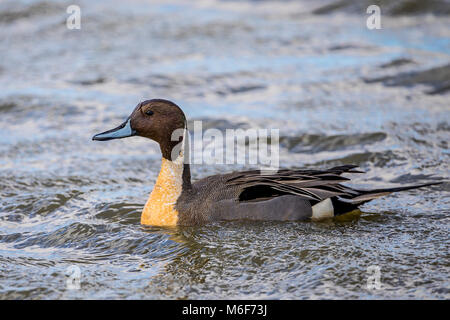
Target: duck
point(285, 195)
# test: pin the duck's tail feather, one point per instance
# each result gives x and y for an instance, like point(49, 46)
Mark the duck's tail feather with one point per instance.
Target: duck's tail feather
point(346, 204)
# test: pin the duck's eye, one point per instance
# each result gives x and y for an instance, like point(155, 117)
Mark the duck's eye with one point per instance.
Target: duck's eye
point(149, 112)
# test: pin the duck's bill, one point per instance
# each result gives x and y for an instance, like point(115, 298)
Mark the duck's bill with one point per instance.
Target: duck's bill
point(122, 131)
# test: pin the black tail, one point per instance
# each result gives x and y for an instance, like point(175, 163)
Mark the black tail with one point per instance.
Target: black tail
point(344, 205)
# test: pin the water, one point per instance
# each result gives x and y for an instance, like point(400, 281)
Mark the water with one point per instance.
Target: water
point(67, 201)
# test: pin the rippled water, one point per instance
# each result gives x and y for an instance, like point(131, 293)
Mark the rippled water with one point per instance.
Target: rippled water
point(335, 89)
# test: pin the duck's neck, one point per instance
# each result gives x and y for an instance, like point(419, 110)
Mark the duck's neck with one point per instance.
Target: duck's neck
point(173, 178)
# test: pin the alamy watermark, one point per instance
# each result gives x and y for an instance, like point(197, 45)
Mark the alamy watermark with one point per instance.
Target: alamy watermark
point(73, 21)
point(231, 146)
point(374, 20)
point(73, 274)
point(374, 277)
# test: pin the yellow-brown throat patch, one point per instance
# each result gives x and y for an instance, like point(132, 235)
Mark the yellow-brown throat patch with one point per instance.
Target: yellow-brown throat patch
point(160, 207)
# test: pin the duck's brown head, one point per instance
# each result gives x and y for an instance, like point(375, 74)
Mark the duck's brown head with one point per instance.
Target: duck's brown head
point(156, 119)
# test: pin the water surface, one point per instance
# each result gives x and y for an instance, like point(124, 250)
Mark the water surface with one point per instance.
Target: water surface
point(335, 90)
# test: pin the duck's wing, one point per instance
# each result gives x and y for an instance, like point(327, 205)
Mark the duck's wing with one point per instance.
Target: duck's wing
point(313, 185)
